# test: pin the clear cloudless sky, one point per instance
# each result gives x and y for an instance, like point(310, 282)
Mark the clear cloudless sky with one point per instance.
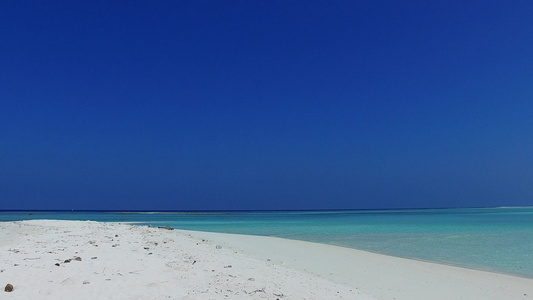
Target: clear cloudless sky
point(211, 105)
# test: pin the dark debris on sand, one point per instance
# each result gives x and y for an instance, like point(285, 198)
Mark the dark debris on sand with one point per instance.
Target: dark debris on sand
point(166, 227)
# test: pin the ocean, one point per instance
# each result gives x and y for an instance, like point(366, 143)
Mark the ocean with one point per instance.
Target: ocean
point(493, 239)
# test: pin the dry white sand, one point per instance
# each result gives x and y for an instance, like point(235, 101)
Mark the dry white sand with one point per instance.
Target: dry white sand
point(135, 262)
point(380, 276)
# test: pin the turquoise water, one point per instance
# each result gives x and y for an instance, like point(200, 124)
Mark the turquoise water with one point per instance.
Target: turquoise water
point(496, 239)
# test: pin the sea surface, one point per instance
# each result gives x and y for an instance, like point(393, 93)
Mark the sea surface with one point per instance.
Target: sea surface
point(494, 239)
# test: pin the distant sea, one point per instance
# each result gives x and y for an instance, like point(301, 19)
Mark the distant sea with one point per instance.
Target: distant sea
point(493, 239)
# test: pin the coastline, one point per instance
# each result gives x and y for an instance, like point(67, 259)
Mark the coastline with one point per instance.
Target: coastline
point(184, 264)
point(382, 276)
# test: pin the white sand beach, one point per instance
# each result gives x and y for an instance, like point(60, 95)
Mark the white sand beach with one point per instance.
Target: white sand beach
point(47, 259)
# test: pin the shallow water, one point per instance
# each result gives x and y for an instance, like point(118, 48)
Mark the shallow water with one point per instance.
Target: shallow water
point(497, 239)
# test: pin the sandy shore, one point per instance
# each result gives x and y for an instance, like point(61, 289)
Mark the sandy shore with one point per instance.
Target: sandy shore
point(91, 260)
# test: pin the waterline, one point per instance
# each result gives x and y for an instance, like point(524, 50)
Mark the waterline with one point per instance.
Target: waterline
point(495, 239)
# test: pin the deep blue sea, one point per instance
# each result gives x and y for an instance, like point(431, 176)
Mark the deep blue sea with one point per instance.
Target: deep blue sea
point(496, 239)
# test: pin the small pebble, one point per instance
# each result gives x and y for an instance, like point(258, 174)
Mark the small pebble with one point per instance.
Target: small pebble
point(77, 258)
point(8, 288)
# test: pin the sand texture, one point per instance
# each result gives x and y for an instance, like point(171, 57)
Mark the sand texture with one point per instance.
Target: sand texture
point(91, 260)
point(137, 262)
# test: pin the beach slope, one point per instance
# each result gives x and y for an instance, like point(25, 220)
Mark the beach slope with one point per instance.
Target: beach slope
point(48, 259)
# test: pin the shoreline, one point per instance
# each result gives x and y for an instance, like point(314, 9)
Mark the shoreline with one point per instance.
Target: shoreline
point(445, 263)
point(207, 265)
point(383, 276)
point(449, 264)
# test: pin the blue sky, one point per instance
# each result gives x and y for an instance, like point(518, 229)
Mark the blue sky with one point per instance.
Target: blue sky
point(195, 105)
